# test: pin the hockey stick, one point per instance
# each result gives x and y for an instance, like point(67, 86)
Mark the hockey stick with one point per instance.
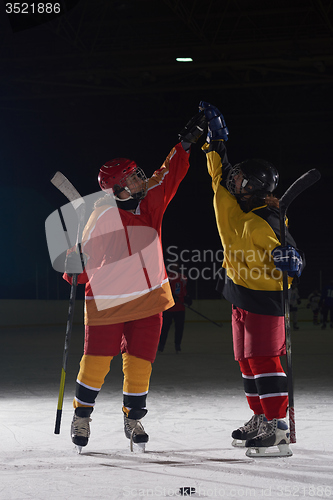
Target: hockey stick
point(300, 185)
point(197, 312)
point(63, 184)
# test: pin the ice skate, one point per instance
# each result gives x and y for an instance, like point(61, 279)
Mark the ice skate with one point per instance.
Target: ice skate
point(248, 431)
point(135, 432)
point(274, 433)
point(80, 428)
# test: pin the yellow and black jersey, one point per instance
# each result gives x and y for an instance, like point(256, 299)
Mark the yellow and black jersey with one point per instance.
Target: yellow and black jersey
point(251, 280)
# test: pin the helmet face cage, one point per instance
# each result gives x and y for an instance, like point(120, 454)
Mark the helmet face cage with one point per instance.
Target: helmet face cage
point(233, 175)
point(130, 182)
point(252, 177)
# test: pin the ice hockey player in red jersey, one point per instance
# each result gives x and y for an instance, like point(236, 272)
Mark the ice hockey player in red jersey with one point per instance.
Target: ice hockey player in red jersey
point(126, 285)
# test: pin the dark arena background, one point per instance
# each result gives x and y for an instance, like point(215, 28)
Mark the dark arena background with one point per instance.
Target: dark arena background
point(86, 81)
point(102, 81)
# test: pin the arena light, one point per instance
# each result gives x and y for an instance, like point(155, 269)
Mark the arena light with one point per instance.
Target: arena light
point(184, 59)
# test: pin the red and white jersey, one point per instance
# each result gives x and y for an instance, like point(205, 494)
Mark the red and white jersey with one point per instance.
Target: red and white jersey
point(125, 275)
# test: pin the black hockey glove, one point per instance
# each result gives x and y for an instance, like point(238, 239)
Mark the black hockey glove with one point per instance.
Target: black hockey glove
point(194, 129)
point(75, 262)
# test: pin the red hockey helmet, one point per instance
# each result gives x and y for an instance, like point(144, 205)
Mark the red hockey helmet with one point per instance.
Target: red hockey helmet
point(114, 174)
point(114, 171)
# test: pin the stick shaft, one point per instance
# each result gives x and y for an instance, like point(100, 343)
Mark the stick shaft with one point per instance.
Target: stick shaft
point(69, 327)
point(300, 185)
point(286, 309)
point(292, 425)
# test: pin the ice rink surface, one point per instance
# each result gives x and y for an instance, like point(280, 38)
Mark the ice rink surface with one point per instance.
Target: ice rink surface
point(196, 400)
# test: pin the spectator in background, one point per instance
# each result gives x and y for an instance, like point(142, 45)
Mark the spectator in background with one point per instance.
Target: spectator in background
point(294, 303)
point(327, 304)
point(313, 304)
point(178, 283)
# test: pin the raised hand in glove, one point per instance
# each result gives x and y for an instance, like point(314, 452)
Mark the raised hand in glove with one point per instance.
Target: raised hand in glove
point(288, 259)
point(194, 129)
point(217, 129)
point(75, 262)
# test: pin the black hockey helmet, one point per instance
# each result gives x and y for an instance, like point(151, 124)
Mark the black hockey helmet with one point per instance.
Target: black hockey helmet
point(259, 177)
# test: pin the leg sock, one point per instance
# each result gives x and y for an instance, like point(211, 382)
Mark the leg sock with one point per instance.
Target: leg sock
point(272, 387)
point(93, 370)
point(137, 373)
point(250, 387)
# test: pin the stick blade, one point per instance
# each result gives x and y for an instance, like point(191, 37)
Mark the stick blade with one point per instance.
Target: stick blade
point(301, 184)
point(66, 187)
point(58, 422)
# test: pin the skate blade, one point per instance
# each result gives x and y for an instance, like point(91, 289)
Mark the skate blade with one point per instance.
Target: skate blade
point(283, 451)
point(238, 443)
point(78, 449)
point(137, 447)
